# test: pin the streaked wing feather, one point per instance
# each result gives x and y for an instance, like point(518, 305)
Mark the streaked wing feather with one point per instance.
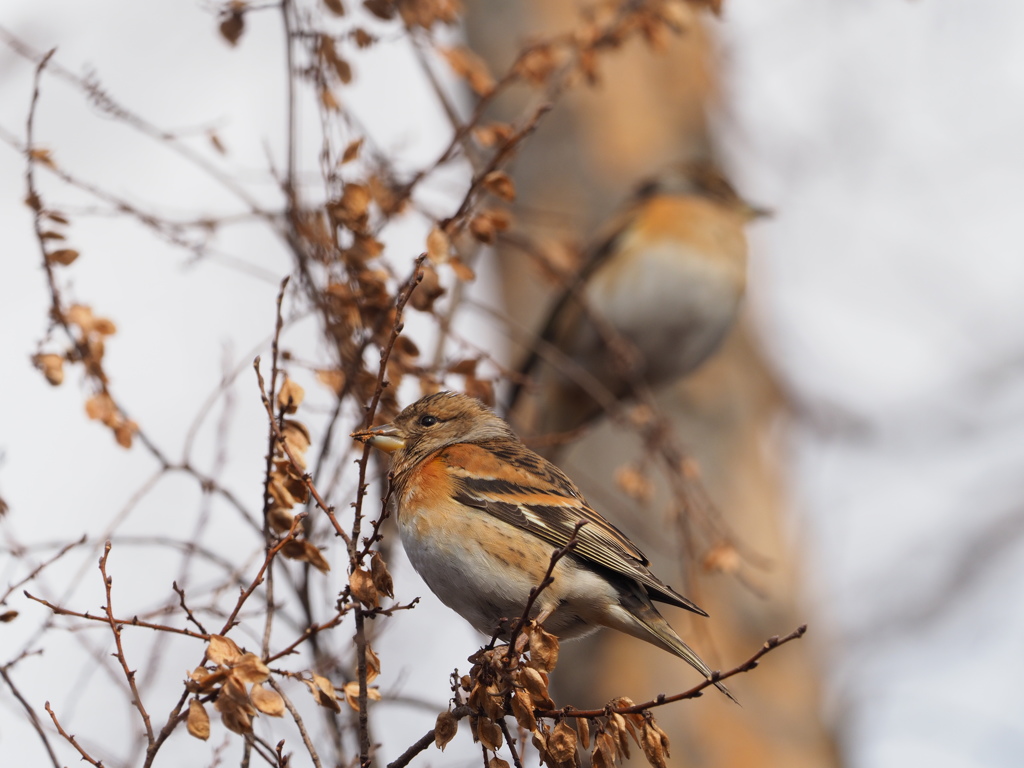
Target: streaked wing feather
point(550, 508)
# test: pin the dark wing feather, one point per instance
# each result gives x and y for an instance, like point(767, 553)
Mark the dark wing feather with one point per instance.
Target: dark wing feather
point(549, 507)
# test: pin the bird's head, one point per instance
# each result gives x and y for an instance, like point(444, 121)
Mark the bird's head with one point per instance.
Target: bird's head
point(435, 422)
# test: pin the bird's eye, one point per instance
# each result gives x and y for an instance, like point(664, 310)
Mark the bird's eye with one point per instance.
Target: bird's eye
point(427, 420)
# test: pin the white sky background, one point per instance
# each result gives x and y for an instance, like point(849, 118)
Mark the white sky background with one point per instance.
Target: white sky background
point(888, 289)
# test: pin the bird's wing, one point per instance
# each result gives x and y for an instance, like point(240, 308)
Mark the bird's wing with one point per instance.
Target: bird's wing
point(511, 482)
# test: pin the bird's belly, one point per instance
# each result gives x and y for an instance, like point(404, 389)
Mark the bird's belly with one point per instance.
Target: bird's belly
point(487, 584)
point(674, 310)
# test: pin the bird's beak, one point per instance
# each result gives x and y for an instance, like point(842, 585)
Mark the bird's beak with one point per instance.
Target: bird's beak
point(756, 212)
point(387, 437)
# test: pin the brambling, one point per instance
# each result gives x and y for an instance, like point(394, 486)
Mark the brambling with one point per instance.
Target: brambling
point(480, 515)
point(667, 277)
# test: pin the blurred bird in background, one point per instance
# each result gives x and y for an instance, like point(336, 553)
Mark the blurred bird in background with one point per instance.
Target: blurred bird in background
point(653, 300)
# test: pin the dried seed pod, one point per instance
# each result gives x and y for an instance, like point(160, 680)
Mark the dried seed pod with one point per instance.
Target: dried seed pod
point(445, 728)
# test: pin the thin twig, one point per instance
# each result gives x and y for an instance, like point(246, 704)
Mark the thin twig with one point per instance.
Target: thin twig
point(115, 628)
point(511, 744)
point(310, 748)
point(71, 739)
point(716, 677)
point(268, 500)
point(36, 571)
point(38, 726)
point(135, 621)
point(536, 590)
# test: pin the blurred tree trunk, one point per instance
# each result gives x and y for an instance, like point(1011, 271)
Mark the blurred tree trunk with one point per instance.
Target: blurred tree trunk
point(649, 109)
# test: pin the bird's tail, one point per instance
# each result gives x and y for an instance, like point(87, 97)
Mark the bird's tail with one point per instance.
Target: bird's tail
point(642, 620)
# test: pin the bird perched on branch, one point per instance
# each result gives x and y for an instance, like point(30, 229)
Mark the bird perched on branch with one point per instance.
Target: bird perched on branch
point(480, 516)
point(654, 299)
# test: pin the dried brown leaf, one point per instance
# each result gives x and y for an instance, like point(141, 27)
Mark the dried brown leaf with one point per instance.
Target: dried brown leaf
point(654, 743)
point(537, 64)
point(329, 100)
point(543, 650)
point(469, 66)
point(381, 576)
point(280, 519)
point(428, 291)
point(297, 438)
point(561, 743)
point(363, 39)
point(100, 408)
point(290, 396)
point(223, 650)
point(499, 184)
point(461, 270)
point(236, 720)
point(62, 256)
point(488, 733)
point(198, 722)
point(445, 728)
point(352, 209)
point(482, 228)
point(250, 669)
point(583, 726)
point(351, 693)
point(722, 557)
point(372, 664)
point(267, 700)
point(232, 26)
point(382, 9)
point(439, 246)
point(536, 685)
point(44, 156)
point(634, 483)
point(333, 380)
point(52, 367)
point(492, 134)
point(617, 727)
point(363, 589)
point(323, 693)
point(103, 326)
point(351, 151)
point(522, 710)
point(315, 557)
point(125, 432)
point(605, 749)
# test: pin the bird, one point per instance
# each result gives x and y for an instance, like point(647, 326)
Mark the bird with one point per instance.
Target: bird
point(479, 515)
point(667, 278)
